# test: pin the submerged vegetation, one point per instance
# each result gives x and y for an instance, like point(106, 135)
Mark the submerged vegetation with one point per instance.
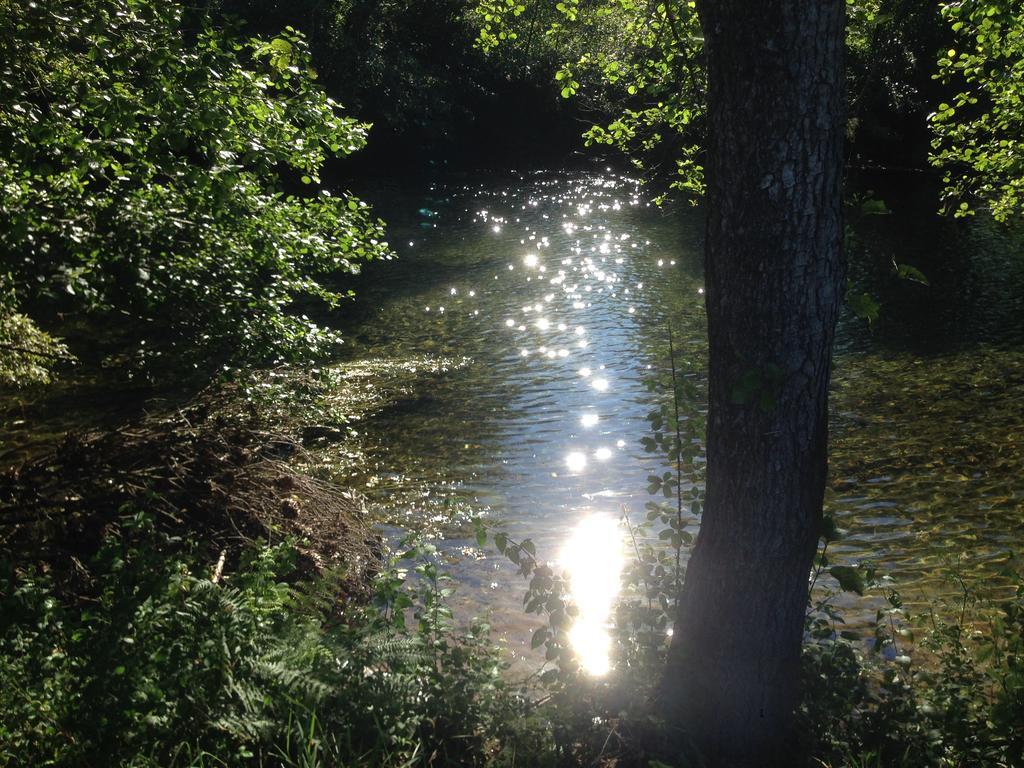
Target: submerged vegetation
point(198, 587)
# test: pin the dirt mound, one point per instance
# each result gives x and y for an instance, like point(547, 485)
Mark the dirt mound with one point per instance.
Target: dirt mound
point(205, 473)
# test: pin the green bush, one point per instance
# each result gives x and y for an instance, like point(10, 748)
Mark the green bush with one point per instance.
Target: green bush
point(977, 132)
point(28, 354)
point(931, 692)
point(149, 171)
point(155, 663)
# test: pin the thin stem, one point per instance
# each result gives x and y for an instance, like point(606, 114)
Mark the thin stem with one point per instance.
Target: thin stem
point(679, 458)
point(639, 558)
point(818, 569)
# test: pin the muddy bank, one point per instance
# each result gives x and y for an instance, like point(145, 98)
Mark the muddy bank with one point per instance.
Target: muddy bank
point(244, 460)
point(203, 475)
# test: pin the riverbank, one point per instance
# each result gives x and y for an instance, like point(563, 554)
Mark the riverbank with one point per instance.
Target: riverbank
point(191, 590)
point(257, 456)
point(209, 472)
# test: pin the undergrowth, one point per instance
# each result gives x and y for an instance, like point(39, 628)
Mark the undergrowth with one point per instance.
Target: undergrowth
point(163, 661)
point(941, 689)
point(163, 664)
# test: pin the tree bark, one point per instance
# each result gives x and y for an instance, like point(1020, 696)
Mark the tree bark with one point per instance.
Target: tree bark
point(774, 272)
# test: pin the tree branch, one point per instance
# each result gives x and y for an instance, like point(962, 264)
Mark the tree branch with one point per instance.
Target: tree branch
point(36, 352)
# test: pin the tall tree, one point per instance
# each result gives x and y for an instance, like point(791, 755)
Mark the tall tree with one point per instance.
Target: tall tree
point(774, 271)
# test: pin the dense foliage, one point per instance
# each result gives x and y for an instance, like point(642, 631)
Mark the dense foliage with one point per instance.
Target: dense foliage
point(162, 172)
point(639, 62)
point(644, 63)
point(158, 662)
point(891, 47)
point(411, 68)
point(928, 691)
point(27, 354)
point(979, 130)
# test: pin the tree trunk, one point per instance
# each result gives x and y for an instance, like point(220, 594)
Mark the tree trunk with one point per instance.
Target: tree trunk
point(774, 271)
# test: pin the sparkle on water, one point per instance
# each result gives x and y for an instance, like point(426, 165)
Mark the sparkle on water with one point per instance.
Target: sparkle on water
point(563, 309)
point(576, 461)
point(592, 558)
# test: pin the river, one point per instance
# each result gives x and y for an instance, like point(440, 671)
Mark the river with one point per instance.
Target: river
point(559, 288)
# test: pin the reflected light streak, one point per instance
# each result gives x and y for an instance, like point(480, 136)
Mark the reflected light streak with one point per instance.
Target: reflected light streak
point(593, 559)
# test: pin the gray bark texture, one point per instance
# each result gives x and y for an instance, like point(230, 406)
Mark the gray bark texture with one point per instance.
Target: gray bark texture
point(774, 275)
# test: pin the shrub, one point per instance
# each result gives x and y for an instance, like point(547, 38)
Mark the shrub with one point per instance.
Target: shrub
point(144, 161)
point(157, 663)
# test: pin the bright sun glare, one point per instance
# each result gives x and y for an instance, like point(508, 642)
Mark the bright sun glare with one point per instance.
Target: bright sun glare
point(593, 559)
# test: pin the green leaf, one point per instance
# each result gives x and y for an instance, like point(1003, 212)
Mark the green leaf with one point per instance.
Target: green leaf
point(829, 529)
point(908, 272)
point(874, 207)
point(864, 306)
point(850, 579)
point(539, 636)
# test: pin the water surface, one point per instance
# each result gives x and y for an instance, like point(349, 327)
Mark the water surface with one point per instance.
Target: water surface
point(560, 289)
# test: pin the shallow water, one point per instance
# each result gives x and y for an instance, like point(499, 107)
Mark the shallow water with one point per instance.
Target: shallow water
point(560, 289)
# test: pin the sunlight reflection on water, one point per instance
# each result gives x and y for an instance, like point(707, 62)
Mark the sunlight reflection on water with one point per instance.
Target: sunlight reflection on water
point(563, 312)
point(592, 557)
